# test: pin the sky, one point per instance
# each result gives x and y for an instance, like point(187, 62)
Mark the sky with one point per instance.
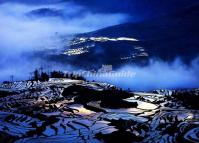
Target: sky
point(137, 9)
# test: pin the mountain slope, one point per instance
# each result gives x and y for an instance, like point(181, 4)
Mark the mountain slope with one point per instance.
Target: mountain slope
point(166, 38)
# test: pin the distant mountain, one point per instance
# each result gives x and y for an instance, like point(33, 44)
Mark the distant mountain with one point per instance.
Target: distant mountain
point(165, 38)
point(45, 12)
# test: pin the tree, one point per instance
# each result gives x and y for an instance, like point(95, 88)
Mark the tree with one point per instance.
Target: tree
point(36, 75)
point(57, 74)
point(44, 77)
point(12, 78)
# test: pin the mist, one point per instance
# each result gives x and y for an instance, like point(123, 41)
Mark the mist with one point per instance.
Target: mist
point(24, 32)
point(157, 75)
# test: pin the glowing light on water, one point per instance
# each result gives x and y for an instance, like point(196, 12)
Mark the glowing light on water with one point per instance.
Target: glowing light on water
point(81, 110)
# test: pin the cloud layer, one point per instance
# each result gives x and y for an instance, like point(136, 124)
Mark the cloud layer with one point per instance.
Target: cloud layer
point(21, 33)
point(26, 32)
point(157, 75)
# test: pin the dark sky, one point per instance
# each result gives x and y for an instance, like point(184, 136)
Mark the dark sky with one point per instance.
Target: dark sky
point(137, 9)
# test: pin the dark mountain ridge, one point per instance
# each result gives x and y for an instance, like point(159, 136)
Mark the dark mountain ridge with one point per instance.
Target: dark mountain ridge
point(168, 37)
point(165, 38)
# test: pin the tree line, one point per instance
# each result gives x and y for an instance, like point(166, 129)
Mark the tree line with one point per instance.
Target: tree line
point(44, 76)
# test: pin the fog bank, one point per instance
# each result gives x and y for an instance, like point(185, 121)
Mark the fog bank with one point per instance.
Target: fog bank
point(157, 75)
